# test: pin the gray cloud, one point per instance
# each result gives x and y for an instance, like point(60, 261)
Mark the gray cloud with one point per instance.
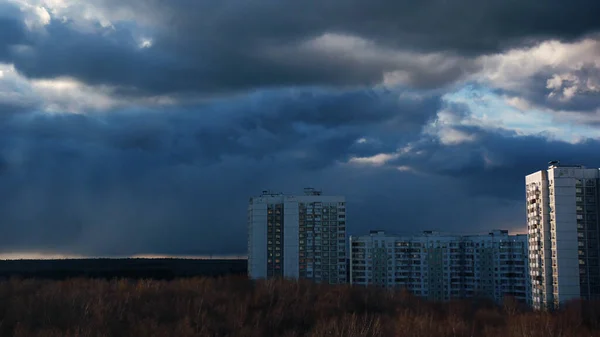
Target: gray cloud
point(12, 29)
point(131, 182)
point(177, 182)
point(554, 76)
point(495, 163)
point(166, 179)
point(578, 90)
point(427, 25)
point(234, 46)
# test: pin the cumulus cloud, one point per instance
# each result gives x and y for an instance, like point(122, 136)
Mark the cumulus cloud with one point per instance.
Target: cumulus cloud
point(567, 86)
point(555, 76)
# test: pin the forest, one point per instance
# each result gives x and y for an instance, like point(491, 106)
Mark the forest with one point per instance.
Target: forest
point(236, 306)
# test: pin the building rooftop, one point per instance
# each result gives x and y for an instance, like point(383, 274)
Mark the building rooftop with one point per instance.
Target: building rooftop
point(270, 193)
point(312, 191)
point(307, 191)
point(556, 164)
point(494, 232)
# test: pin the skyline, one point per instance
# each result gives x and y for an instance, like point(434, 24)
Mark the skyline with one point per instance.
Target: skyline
point(143, 127)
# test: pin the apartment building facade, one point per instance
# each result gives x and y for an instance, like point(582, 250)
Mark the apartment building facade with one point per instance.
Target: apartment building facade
point(297, 236)
point(441, 267)
point(563, 230)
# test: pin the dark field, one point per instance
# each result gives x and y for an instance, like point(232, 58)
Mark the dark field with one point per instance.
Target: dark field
point(160, 268)
point(234, 306)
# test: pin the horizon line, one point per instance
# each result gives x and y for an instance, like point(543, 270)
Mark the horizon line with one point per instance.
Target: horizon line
point(41, 256)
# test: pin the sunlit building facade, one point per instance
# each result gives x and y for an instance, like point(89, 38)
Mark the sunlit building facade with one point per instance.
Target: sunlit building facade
point(564, 241)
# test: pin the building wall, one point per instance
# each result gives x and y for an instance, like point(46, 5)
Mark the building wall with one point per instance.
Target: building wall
point(257, 240)
point(564, 241)
point(441, 267)
point(312, 238)
point(538, 224)
point(322, 227)
point(291, 242)
point(563, 234)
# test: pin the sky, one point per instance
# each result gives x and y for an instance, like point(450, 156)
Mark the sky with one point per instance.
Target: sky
point(142, 127)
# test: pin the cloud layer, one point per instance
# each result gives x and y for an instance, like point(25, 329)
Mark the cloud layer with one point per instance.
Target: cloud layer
point(165, 47)
point(142, 127)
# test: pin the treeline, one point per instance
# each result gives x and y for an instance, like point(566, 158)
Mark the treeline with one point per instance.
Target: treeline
point(235, 306)
point(158, 269)
point(155, 274)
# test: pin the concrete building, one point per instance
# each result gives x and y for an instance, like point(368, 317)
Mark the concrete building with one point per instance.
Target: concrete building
point(562, 223)
point(297, 236)
point(440, 267)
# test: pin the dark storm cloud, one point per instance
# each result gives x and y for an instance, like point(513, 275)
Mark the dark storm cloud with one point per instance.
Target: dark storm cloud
point(170, 182)
point(6, 109)
point(496, 162)
point(216, 47)
point(12, 29)
point(466, 25)
point(133, 182)
point(177, 181)
point(62, 51)
point(351, 108)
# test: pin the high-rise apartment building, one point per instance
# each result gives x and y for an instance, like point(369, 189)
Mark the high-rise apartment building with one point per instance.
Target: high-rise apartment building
point(297, 236)
point(564, 241)
point(441, 267)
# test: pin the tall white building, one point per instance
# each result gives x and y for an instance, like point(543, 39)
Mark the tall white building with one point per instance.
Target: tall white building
point(562, 223)
point(440, 267)
point(297, 236)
